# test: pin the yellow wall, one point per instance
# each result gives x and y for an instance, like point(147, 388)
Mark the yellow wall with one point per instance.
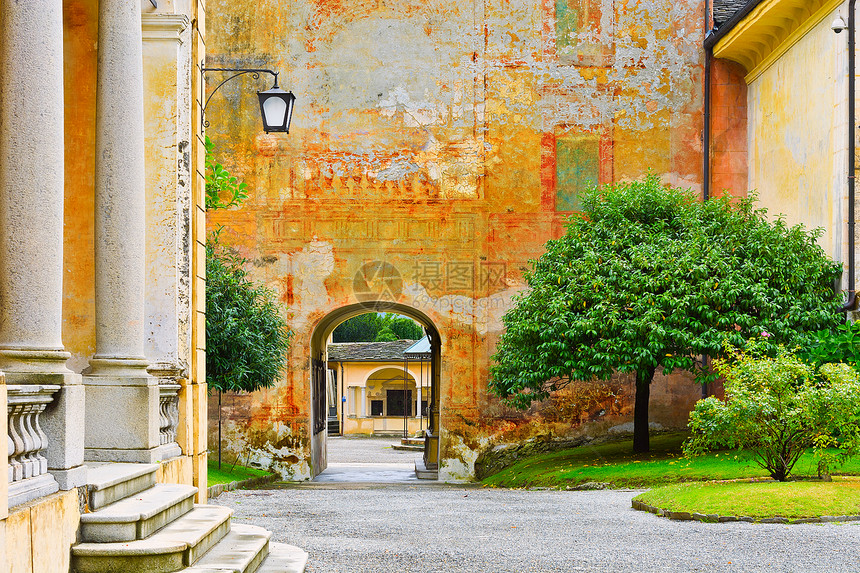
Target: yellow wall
point(39, 534)
point(796, 112)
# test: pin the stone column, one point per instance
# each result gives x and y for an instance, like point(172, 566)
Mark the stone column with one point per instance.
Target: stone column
point(31, 225)
point(31, 188)
point(122, 398)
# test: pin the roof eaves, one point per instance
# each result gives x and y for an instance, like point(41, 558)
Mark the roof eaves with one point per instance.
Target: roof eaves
point(713, 36)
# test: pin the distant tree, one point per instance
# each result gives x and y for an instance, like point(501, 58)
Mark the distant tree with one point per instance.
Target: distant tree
point(367, 328)
point(385, 335)
point(361, 328)
point(649, 277)
point(404, 328)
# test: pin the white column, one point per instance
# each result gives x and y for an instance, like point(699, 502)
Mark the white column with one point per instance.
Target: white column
point(120, 221)
point(122, 399)
point(32, 156)
point(364, 401)
point(31, 188)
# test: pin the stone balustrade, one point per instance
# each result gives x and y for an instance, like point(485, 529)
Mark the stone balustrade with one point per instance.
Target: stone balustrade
point(169, 412)
point(28, 467)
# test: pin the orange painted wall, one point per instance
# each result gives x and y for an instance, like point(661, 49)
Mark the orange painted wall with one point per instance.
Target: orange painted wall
point(449, 139)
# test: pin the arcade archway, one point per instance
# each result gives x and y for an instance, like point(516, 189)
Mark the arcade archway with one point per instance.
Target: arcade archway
point(319, 380)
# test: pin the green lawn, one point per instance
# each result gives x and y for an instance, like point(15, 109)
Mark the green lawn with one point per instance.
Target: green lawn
point(225, 475)
point(614, 463)
point(792, 499)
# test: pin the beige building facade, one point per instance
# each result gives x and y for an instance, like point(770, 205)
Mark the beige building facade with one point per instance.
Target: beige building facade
point(377, 389)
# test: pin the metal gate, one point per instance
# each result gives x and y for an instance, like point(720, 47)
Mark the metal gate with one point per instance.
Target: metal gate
point(318, 390)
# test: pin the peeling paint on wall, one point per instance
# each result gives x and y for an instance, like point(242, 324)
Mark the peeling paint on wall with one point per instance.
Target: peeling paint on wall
point(448, 140)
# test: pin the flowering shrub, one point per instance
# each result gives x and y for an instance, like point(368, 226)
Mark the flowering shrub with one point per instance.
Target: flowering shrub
point(777, 407)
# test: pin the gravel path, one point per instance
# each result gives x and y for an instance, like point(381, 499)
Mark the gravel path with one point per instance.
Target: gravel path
point(349, 449)
point(426, 528)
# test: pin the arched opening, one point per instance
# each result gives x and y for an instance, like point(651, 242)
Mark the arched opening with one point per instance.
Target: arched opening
point(401, 393)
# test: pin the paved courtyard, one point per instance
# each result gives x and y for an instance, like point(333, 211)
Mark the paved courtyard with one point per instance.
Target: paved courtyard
point(358, 459)
point(355, 526)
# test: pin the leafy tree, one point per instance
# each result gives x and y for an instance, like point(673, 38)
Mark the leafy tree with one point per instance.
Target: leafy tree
point(778, 407)
point(223, 190)
point(367, 328)
point(648, 277)
point(246, 337)
point(386, 335)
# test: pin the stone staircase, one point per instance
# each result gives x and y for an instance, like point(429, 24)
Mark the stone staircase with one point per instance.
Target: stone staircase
point(137, 525)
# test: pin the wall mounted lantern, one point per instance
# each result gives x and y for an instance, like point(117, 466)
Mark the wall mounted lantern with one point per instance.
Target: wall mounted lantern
point(276, 105)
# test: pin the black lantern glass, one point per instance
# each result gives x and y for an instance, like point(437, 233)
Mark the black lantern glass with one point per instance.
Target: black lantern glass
point(276, 107)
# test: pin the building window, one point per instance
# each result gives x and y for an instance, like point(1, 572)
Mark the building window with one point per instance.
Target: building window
point(376, 407)
point(581, 35)
point(397, 406)
point(577, 164)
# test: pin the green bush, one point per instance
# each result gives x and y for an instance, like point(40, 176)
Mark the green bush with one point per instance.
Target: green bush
point(246, 337)
point(223, 190)
point(842, 344)
point(778, 406)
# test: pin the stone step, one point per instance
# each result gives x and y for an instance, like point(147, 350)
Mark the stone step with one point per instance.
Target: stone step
point(241, 551)
point(201, 529)
point(170, 549)
point(422, 472)
point(284, 558)
point(138, 516)
point(108, 483)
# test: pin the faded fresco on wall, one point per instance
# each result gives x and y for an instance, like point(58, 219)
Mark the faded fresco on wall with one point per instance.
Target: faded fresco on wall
point(449, 140)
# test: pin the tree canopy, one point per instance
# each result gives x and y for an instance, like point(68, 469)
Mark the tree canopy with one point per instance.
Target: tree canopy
point(247, 339)
point(375, 327)
point(649, 277)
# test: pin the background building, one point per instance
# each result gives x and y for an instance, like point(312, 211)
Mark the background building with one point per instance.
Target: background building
point(377, 388)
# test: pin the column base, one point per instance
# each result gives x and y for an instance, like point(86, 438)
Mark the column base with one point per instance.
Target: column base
point(63, 423)
point(122, 418)
point(149, 456)
point(31, 488)
point(111, 368)
point(70, 478)
point(37, 367)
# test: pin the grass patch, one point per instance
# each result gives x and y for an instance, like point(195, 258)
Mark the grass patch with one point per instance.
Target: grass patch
point(226, 474)
point(792, 499)
point(614, 463)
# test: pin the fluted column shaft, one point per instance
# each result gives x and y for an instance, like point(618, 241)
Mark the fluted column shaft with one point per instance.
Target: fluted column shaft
point(120, 221)
point(31, 187)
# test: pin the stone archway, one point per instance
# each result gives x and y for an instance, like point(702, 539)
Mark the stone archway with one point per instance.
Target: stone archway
point(318, 350)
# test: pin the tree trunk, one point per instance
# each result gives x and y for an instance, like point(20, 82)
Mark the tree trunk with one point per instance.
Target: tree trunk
point(641, 441)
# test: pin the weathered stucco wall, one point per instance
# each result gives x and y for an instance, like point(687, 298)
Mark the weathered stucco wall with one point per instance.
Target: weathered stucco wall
point(797, 135)
point(450, 140)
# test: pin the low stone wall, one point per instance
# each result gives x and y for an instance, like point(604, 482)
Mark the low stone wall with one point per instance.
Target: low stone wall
point(714, 518)
point(219, 488)
point(502, 456)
